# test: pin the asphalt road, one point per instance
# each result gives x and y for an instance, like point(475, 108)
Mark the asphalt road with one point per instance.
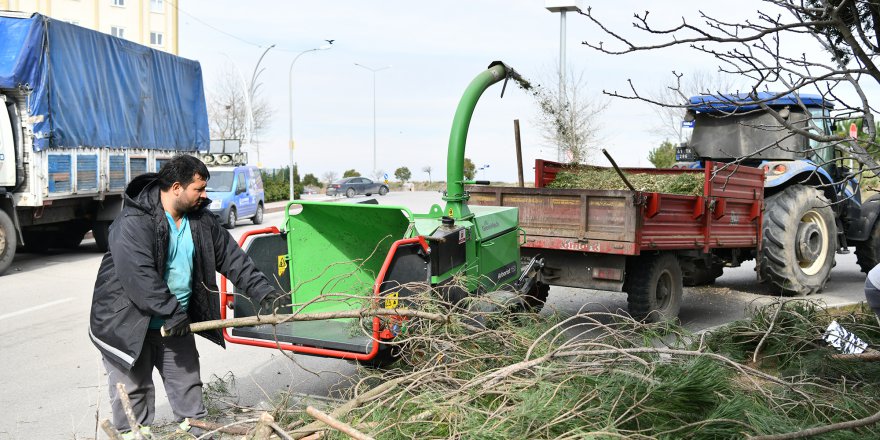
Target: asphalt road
point(53, 384)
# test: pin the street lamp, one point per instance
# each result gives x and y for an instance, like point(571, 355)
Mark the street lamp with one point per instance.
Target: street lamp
point(562, 6)
point(290, 105)
point(252, 92)
point(374, 107)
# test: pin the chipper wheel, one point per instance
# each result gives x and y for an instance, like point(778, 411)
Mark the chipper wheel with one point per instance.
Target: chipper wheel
point(654, 287)
point(800, 238)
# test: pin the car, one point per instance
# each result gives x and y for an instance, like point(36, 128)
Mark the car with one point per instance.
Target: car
point(236, 193)
point(351, 186)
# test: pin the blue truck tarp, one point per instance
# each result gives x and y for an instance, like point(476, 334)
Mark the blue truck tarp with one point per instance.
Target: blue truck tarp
point(89, 89)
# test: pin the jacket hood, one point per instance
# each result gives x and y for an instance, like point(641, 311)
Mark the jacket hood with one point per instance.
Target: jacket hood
point(143, 192)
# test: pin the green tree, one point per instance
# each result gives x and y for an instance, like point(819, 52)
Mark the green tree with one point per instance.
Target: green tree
point(470, 170)
point(663, 156)
point(403, 174)
point(351, 173)
point(311, 180)
point(276, 185)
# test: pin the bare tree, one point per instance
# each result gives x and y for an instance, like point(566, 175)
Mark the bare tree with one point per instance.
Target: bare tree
point(669, 118)
point(763, 52)
point(329, 176)
point(228, 108)
point(378, 175)
point(427, 169)
point(569, 117)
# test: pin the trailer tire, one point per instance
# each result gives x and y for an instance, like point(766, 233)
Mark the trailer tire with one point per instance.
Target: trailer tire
point(697, 273)
point(800, 239)
point(8, 241)
point(654, 287)
point(868, 251)
point(101, 232)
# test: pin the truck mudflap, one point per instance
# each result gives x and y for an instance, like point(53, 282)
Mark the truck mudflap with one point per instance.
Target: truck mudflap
point(406, 262)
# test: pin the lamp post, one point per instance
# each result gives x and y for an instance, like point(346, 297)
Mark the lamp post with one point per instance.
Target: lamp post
point(290, 106)
point(252, 92)
point(374, 107)
point(562, 6)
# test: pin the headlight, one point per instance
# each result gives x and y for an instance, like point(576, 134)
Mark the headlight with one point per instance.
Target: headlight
point(216, 204)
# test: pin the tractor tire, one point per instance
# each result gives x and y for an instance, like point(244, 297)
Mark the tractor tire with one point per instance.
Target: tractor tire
point(697, 273)
point(8, 241)
point(350, 193)
point(800, 239)
point(654, 287)
point(537, 297)
point(258, 217)
point(383, 190)
point(868, 251)
point(101, 232)
point(231, 218)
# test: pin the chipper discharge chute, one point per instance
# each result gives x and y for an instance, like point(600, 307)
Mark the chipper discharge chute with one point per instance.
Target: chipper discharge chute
point(345, 257)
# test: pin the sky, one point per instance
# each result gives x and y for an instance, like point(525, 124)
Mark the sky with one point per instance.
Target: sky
point(434, 49)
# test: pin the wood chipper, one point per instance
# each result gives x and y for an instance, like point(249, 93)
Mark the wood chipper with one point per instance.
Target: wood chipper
point(336, 257)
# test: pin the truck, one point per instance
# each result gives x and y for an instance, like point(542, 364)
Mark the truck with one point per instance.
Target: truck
point(646, 244)
point(81, 114)
point(814, 206)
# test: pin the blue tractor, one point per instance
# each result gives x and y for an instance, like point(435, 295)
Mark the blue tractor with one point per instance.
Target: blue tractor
point(813, 207)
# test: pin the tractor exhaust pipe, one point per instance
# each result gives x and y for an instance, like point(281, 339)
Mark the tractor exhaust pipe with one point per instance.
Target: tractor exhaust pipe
point(455, 197)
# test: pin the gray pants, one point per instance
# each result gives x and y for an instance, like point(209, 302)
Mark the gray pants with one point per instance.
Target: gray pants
point(177, 360)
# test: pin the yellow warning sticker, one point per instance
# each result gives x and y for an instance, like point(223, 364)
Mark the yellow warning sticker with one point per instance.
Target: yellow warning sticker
point(451, 212)
point(282, 265)
point(391, 300)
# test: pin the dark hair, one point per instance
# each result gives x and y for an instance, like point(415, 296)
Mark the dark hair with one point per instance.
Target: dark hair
point(182, 168)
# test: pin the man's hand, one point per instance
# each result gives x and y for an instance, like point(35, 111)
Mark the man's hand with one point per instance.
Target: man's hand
point(273, 301)
point(177, 325)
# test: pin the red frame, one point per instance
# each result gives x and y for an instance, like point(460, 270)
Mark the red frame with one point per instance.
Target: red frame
point(227, 298)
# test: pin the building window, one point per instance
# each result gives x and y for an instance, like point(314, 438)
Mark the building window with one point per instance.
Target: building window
point(118, 2)
point(117, 31)
point(156, 38)
point(157, 6)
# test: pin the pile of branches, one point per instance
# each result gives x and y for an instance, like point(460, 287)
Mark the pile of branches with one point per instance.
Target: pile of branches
point(497, 372)
point(608, 179)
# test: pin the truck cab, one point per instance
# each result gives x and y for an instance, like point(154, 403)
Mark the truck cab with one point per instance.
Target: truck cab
point(236, 192)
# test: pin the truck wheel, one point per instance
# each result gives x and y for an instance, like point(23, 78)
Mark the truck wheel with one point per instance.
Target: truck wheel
point(101, 232)
point(696, 273)
point(258, 217)
point(8, 241)
point(231, 218)
point(654, 287)
point(800, 238)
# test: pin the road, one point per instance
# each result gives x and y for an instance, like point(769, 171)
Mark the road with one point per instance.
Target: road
point(54, 387)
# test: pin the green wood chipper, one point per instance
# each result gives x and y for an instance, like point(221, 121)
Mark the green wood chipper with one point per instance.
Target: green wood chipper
point(336, 257)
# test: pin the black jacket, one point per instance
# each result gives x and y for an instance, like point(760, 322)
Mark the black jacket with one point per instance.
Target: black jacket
point(130, 288)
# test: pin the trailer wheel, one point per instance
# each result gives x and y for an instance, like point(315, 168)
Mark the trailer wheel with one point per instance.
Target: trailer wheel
point(868, 251)
point(101, 232)
point(697, 273)
point(8, 241)
point(800, 238)
point(654, 287)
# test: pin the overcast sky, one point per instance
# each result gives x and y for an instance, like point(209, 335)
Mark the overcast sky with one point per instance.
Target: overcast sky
point(435, 49)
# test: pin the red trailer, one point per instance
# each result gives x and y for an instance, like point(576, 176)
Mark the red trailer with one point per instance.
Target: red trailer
point(647, 244)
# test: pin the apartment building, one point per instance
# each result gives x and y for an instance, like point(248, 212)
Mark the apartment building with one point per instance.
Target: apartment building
point(152, 23)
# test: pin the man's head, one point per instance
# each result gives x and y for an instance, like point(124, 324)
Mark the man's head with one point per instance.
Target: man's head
point(183, 179)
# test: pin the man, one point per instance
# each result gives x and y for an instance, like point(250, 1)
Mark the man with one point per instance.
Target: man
point(160, 270)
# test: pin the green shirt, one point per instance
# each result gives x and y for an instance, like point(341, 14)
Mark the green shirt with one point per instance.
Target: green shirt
point(178, 265)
